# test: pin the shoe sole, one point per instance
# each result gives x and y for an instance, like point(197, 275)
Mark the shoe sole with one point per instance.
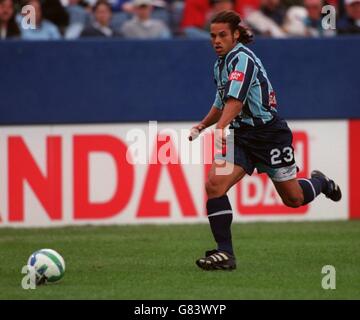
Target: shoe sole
point(211, 267)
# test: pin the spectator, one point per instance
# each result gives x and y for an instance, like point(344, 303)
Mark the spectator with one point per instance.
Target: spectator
point(101, 25)
point(294, 23)
point(8, 26)
point(196, 13)
point(245, 7)
point(194, 17)
point(176, 9)
point(79, 18)
point(350, 24)
point(54, 11)
point(202, 31)
point(217, 6)
point(45, 30)
point(142, 26)
point(161, 11)
point(268, 20)
point(307, 21)
point(313, 21)
point(116, 5)
point(119, 5)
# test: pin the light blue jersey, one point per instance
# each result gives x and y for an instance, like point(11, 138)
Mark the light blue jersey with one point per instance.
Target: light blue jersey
point(241, 75)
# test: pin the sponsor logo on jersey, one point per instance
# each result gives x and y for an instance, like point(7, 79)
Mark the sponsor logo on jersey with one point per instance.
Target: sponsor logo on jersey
point(237, 76)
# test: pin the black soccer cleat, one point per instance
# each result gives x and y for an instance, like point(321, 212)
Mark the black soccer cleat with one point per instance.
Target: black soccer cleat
point(333, 192)
point(217, 260)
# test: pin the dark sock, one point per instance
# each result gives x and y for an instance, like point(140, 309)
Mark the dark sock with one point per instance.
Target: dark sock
point(312, 188)
point(220, 217)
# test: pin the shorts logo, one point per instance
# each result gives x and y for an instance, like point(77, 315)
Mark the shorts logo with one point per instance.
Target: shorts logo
point(237, 76)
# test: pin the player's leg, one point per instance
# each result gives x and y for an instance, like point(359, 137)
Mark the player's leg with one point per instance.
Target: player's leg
point(298, 192)
point(222, 176)
point(218, 205)
point(290, 192)
point(226, 170)
point(275, 156)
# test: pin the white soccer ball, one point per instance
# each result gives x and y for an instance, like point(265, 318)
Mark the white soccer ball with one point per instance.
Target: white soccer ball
point(49, 265)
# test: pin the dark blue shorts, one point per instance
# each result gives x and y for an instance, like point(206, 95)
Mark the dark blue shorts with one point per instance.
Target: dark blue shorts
point(268, 148)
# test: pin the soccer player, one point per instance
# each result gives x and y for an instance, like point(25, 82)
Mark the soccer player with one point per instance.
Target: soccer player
point(259, 138)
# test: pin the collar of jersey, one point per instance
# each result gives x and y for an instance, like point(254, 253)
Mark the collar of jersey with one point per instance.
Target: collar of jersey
point(234, 49)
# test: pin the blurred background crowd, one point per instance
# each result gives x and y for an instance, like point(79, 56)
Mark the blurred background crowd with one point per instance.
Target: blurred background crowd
point(164, 19)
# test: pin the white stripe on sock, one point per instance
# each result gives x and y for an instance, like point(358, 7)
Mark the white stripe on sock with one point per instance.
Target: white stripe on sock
point(220, 213)
point(312, 187)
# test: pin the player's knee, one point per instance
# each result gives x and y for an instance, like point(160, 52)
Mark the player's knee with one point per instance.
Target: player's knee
point(214, 189)
point(294, 201)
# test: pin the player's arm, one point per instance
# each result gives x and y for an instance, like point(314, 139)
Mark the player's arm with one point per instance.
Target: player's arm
point(231, 110)
point(211, 118)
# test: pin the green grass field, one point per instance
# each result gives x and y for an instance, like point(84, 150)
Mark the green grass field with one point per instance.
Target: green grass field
point(275, 261)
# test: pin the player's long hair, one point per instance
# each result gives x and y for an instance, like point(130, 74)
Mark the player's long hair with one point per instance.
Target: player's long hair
point(234, 21)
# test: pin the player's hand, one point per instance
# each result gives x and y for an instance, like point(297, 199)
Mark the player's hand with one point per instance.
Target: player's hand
point(195, 131)
point(220, 141)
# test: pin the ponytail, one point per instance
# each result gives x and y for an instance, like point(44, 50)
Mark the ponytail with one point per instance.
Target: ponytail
point(246, 35)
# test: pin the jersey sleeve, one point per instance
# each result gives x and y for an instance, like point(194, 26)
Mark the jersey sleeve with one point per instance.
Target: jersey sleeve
point(218, 102)
point(241, 73)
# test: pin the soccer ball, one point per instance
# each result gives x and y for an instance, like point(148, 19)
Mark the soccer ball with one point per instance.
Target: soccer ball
point(48, 264)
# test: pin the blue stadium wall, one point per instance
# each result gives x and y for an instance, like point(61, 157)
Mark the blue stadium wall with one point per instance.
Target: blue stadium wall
point(134, 81)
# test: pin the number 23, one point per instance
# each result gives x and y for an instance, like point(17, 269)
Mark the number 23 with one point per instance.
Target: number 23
point(275, 154)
